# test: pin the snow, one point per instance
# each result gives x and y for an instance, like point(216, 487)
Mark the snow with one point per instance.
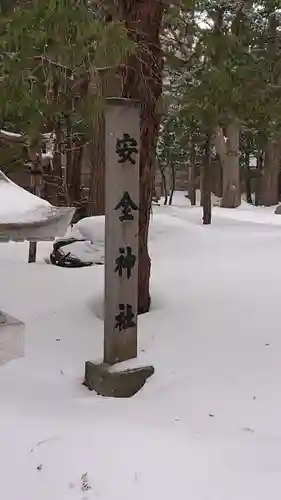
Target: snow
point(49, 155)
point(18, 205)
point(17, 136)
point(10, 135)
point(90, 229)
point(206, 426)
point(247, 213)
point(24, 216)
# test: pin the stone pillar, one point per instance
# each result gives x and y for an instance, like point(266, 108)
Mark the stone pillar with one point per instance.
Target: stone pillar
point(122, 144)
point(122, 140)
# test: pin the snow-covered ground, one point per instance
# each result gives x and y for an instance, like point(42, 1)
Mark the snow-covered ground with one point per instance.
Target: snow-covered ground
point(206, 426)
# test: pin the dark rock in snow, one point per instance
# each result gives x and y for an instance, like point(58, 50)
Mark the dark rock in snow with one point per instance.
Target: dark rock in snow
point(60, 257)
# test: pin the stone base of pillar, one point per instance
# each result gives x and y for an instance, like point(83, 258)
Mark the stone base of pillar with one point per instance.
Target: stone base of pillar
point(115, 384)
point(11, 338)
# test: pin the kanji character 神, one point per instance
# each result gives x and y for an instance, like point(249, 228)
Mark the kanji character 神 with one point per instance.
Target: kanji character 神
point(125, 318)
point(126, 260)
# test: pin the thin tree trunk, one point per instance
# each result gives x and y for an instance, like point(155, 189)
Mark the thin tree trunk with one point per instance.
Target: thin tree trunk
point(248, 179)
point(231, 174)
point(36, 180)
point(258, 178)
point(173, 186)
point(53, 175)
point(279, 186)
point(102, 84)
point(229, 156)
point(192, 181)
point(164, 183)
point(97, 188)
point(269, 177)
point(72, 168)
point(201, 184)
point(206, 184)
point(248, 186)
point(217, 177)
point(93, 163)
point(142, 80)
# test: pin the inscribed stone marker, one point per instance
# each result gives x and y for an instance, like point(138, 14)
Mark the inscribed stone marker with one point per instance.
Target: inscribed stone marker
point(122, 142)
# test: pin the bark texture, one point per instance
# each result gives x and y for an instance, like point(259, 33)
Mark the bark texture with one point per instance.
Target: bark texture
point(101, 84)
point(269, 175)
point(268, 194)
point(54, 187)
point(97, 165)
point(142, 80)
point(206, 184)
point(228, 151)
point(192, 177)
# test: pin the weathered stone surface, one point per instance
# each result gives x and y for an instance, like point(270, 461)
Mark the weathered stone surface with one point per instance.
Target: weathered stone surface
point(121, 384)
point(122, 125)
point(11, 338)
point(278, 210)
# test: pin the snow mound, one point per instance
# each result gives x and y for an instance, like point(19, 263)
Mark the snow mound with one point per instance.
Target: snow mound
point(206, 426)
point(18, 205)
point(91, 228)
point(24, 216)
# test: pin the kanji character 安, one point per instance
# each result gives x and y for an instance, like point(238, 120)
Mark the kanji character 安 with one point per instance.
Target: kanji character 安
point(126, 149)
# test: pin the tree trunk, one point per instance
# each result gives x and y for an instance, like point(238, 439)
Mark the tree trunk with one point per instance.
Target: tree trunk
point(260, 158)
point(164, 183)
point(201, 185)
point(97, 185)
point(269, 178)
point(173, 186)
point(36, 184)
point(192, 185)
point(142, 80)
point(229, 155)
point(192, 177)
point(53, 174)
point(101, 84)
point(248, 186)
point(72, 159)
point(217, 177)
point(248, 179)
point(206, 184)
point(279, 186)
